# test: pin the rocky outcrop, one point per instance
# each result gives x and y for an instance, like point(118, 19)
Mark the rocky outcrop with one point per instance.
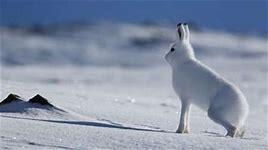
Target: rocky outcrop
point(11, 98)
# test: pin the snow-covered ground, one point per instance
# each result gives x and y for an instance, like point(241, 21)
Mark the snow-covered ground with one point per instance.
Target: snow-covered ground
point(115, 88)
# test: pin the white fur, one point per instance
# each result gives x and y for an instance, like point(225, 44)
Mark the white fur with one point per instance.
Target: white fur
point(197, 84)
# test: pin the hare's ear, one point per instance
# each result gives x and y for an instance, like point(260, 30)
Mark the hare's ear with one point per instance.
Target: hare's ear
point(187, 32)
point(181, 32)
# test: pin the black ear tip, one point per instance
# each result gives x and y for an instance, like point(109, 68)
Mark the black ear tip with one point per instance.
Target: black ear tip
point(185, 23)
point(179, 24)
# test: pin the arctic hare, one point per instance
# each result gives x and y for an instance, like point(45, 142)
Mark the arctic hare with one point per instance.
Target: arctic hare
point(197, 84)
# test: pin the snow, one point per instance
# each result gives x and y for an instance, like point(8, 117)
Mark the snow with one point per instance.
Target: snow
point(117, 94)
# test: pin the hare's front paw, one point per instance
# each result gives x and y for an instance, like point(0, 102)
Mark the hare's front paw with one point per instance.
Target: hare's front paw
point(185, 130)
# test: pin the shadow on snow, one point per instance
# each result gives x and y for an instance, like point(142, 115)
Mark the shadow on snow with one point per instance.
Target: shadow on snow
point(91, 123)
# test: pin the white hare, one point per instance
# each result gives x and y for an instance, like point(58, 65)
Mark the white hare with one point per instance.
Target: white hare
point(197, 84)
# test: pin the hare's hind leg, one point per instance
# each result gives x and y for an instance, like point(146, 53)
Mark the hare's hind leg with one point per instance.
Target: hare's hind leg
point(218, 118)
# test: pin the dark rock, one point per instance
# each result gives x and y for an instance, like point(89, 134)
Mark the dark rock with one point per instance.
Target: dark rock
point(11, 98)
point(40, 100)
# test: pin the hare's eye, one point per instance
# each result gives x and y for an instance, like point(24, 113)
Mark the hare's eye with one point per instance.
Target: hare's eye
point(172, 49)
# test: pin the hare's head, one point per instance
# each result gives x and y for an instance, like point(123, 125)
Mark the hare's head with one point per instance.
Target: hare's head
point(181, 50)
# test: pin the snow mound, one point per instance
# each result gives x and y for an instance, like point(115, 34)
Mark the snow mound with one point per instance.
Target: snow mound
point(37, 107)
